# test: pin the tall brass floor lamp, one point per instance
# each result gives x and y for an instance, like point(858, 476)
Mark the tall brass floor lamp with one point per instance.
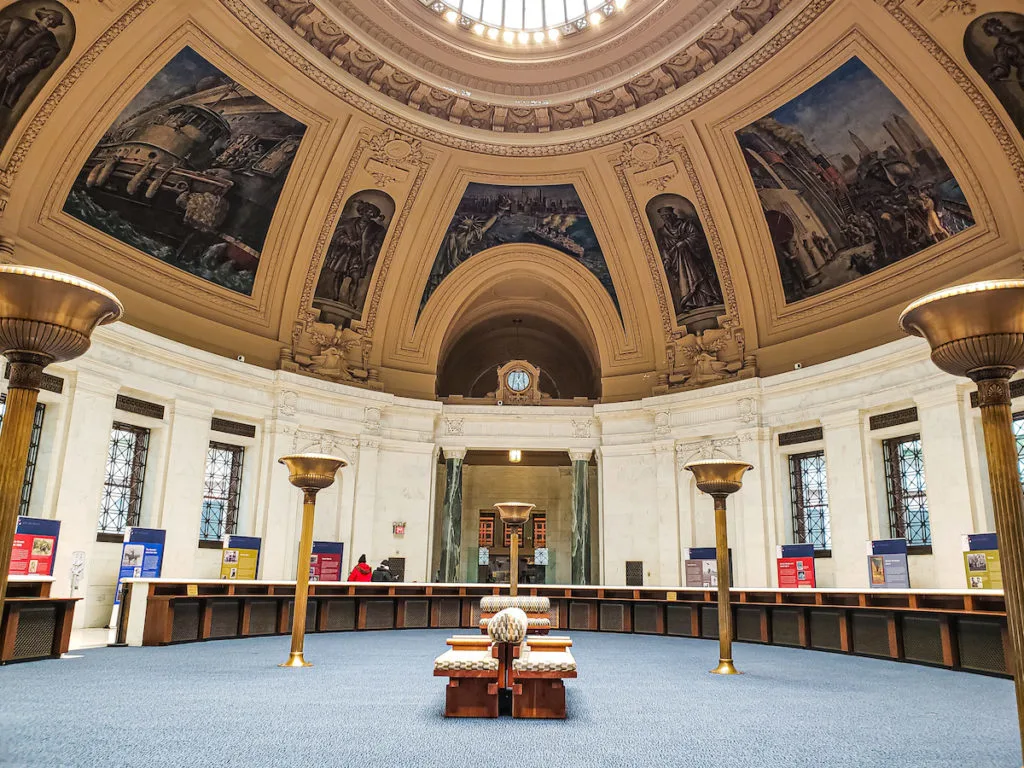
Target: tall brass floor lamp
point(977, 330)
point(45, 317)
point(514, 514)
point(718, 478)
point(312, 472)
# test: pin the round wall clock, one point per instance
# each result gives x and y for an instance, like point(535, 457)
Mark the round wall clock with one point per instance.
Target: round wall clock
point(518, 380)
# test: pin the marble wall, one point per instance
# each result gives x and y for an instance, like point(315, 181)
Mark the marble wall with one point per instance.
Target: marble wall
point(647, 507)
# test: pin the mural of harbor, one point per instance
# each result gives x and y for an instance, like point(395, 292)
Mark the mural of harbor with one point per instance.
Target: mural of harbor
point(191, 172)
point(849, 182)
point(491, 214)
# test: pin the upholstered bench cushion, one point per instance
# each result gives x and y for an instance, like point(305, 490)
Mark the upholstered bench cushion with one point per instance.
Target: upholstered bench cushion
point(465, 660)
point(508, 626)
point(531, 624)
point(495, 603)
point(544, 661)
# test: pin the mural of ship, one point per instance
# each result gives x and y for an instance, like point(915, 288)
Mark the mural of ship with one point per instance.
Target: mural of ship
point(552, 230)
point(192, 180)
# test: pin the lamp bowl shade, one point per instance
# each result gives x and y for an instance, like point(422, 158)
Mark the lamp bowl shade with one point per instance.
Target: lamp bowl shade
point(312, 471)
point(718, 477)
point(48, 316)
point(973, 327)
point(514, 512)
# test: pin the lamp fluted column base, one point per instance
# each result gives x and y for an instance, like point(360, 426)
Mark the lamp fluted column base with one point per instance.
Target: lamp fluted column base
point(15, 437)
point(725, 665)
point(1008, 505)
point(295, 658)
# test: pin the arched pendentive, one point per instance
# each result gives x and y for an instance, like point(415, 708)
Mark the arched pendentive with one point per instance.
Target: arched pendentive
point(518, 280)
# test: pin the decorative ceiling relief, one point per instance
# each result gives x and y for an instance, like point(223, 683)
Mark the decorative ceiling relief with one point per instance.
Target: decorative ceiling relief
point(994, 44)
point(36, 37)
point(489, 215)
point(190, 173)
point(849, 182)
point(332, 338)
point(327, 38)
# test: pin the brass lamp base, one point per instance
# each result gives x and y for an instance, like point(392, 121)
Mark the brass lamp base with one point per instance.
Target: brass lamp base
point(725, 667)
point(295, 660)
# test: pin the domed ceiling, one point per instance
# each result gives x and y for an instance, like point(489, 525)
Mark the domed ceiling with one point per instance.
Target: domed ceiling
point(648, 196)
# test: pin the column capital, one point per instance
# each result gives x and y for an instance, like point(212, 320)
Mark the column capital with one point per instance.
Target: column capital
point(451, 452)
point(949, 395)
point(580, 454)
point(96, 383)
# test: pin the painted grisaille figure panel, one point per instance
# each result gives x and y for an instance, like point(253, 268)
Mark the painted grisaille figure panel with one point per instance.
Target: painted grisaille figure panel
point(994, 44)
point(491, 214)
point(190, 173)
point(849, 182)
point(351, 256)
point(686, 256)
point(35, 38)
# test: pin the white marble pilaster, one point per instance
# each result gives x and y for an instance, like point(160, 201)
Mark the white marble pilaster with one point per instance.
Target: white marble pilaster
point(280, 501)
point(755, 524)
point(365, 503)
point(849, 509)
point(667, 499)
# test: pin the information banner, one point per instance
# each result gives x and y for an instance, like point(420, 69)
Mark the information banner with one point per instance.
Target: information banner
point(142, 556)
point(701, 567)
point(887, 564)
point(325, 562)
point(795, 566)
point(981, 561)
point(35, 547)
point(240, 558)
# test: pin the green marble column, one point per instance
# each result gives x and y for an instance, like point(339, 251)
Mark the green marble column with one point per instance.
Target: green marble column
point(580, 516)
point(451, 516)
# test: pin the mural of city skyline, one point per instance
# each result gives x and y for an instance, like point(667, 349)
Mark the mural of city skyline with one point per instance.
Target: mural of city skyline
point(491, 214)
point(849, 183)
point(191, 172)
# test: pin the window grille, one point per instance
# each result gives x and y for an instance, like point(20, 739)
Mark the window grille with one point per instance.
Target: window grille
point(508, 535)
point(1018, 435)
point(222, 488)
point(486, 535)
point(808, 482)
point(540, 530)
point(126, 473)
point(33, 452)
point(905, 488)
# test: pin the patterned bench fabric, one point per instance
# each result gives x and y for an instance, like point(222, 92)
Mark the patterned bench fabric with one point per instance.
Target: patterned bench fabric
point(508, 626)
point(531, 624)
point(495, 603)
point(545, 661)
point(466, 660)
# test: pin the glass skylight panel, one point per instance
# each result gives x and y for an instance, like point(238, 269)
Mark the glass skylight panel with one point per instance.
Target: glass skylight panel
point(513, 14)
point(492, 13)
point(575, 8)
point(472, 8)
point(554, 12)
point(521, 22)
point(533, 17)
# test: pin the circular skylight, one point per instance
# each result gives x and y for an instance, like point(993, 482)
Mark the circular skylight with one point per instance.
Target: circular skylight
point(525, 21)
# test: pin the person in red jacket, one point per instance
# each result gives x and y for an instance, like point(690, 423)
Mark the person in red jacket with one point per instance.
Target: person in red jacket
point(362, 571)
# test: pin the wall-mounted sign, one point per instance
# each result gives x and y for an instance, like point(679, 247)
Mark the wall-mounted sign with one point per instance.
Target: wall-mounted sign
point(795, 566)
point(981, 561)
point(888, 567)
point(240, 558)
point(325, 561)
point(35, 546)
point(398, 529)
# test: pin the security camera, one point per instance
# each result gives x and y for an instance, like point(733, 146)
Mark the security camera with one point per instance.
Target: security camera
point(797, 366)
point(240, 358)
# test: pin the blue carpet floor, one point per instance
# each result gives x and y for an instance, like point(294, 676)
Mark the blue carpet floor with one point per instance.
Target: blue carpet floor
point(371, 700)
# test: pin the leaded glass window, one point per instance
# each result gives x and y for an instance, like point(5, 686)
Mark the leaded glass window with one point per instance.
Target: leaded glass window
point(1018, 435)
point(809, 493)
point(222, 488)
point(126, 473)
point(905, 488)
point(33, 452)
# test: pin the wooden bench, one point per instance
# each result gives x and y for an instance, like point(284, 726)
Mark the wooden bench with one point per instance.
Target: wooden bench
point(536, 676)
point(474, 670)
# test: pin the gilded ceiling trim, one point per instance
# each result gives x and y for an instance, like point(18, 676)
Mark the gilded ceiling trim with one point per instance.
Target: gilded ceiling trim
point(962, 79)
point(31, 133)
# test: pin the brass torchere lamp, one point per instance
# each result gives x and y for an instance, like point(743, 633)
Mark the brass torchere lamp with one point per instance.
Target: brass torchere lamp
point(514, 514)
point(311, 472)
point(977, 331)
point(719, 478)
point(45, 317)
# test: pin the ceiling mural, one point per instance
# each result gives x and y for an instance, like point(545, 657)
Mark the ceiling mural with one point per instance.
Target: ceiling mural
point(994, 44)
point(351, 256)
point(190, 172)
point(492, 214)
point(686, 258)
point(849, 182)
point(35, 38)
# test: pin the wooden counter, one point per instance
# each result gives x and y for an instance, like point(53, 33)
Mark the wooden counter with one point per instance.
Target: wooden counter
point(35, 628)
point(955, 629)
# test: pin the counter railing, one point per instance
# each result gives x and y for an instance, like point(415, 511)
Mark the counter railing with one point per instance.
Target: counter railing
point(948, 628)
